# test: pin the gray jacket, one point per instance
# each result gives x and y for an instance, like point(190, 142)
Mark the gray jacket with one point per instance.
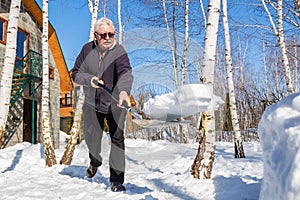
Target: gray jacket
point(113, 68)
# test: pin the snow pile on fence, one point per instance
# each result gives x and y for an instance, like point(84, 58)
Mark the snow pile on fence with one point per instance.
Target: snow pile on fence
point(279, 131)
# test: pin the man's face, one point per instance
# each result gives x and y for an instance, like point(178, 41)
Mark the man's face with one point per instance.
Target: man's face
point(105, 35)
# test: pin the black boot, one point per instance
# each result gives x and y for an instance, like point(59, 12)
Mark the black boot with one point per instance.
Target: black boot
point(117, 187)
point(91, 171)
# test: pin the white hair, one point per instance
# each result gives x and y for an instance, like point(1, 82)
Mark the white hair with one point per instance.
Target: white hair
point(103, 21)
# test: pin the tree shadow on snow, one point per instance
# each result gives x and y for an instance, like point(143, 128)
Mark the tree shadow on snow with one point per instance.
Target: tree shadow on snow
point(235, 188)
point(160, 185)
point(175, 191)
point(15, 161)
point(134, 189)
point(144, 164)
point(76, 171)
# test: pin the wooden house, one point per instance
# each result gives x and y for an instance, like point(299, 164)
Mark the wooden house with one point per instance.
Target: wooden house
point(25, 105)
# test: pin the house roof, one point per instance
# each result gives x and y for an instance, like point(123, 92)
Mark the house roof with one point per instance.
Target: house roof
point(65, 80)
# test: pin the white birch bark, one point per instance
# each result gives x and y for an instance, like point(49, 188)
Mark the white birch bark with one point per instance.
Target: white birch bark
point(183, 128)
point(238, 141)
point(290, 86)
point(280, 37)
point(205, 22)
point(186, 42)
point(208, 62)
point(8, 68)
point(171, 45)
point(74, 132)
point(265, 69)
point(202, 166)
point(120, 23)
point(94, 13)
point(296, 63)
point(297, 8)
point(46, 132)
point(203, 12)
point(175, 45)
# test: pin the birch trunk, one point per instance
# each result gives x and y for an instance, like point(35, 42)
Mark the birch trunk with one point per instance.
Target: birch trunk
point(203, 162)
point(265, 69)
point(290, 87)
point(202, 166)
point(297, 6)
point(296, 61)
point(104, 4)
point(94, 13)
point(186, 42)
point(183, 128)
point(175, 45)
point(8, 68)
point(48, 146)
point(238, 141)
point(280, 37)
point(69, 152)
point(171, 45)
point(120, 23)
point(203, 12)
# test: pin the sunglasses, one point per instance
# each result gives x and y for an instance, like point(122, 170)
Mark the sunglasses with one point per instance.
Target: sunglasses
point(104, 35)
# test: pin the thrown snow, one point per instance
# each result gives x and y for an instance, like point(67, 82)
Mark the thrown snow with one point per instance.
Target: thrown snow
point(187, 100)
point(279, 131)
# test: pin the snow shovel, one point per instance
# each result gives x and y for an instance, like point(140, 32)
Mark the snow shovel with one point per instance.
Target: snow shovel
point(167, 120)
point(143, 123)
point(128, 108)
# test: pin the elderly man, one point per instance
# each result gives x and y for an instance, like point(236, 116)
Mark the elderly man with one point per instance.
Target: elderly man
point(104, 61)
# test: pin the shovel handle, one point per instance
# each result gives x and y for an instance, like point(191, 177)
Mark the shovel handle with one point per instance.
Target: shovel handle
point(128, 108)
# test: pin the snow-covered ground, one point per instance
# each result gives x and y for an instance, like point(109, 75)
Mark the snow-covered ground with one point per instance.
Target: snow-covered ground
point(154, 170)
point(159, 170)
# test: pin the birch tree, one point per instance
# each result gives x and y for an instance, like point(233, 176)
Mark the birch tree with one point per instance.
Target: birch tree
point(238, 141)
point(279, 33)
point(297, 7)
point(175, 43)
point(46, 132)
point(120, 22)
point(104, 7)
point(93, 8)
point(183, 128)
point(202, 166)
point(172, 44)
point(202, 11)
point(74, 132)
point(186, 42)
point(9, 60)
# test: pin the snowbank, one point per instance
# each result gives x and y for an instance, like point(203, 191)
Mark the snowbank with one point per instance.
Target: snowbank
point(279, 131)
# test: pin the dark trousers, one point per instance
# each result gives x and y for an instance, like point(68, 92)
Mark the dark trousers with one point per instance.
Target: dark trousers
point(93, 130)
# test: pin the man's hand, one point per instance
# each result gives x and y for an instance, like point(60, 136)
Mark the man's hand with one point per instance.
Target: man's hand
point(96, 79)
point(123, 96)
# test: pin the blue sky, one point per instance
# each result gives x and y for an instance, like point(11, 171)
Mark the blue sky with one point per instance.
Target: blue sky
point(71, 20)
